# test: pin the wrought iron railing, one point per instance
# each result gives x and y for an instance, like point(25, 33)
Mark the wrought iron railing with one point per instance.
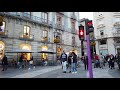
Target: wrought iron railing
point(25, 36)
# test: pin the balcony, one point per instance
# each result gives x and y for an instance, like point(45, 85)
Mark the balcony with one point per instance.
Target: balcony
point(116, 34)
point(73, 16)
point(59, 26)
point(28, 17)
point(57, 40)
point(26, 37)
point(100, 26)
point(74, 44)
point(73, 31)
point(102, 36)
point(4, 34)
point(45, 39)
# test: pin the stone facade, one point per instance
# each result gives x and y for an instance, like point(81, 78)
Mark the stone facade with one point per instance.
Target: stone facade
point(14, 38)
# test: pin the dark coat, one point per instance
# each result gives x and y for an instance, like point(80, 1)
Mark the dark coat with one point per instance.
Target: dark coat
point(63, 59)
point(69, 59)
point(85, 60)
point(75, 58)
point(5, 61)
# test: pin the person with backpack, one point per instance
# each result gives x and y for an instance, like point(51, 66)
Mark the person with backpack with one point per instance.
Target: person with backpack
point(64, 61)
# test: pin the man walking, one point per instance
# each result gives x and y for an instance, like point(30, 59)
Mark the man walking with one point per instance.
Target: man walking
point(64, 61)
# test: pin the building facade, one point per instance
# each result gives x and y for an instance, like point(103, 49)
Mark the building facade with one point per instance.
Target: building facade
point(39, 31)
point(107, 32)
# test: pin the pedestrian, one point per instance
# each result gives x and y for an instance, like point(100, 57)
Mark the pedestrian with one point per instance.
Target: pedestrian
point(109, 61)
point(31, 63)
point(74, 62)
point(4, 63)
point(101, 59)
point(85, 61)
point(112, 61)
point(69, 62)
point(64, 61)
point(96, 61)
point(21, 61)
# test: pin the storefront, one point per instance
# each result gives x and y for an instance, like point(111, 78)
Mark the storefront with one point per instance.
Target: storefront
point(2, 47)
point(44, 55)
point(103, 49)
point(26, 56)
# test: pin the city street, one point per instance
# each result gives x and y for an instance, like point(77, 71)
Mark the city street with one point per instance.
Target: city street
point(56, 72)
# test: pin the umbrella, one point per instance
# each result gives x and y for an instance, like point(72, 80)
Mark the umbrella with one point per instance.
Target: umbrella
point(50, 52)
point(19, 51)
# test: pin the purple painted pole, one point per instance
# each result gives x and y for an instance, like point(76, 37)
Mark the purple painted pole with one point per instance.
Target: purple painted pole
point(89, 57)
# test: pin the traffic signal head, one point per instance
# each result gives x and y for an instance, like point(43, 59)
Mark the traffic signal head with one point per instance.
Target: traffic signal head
point(89, 26)
point(81, 32)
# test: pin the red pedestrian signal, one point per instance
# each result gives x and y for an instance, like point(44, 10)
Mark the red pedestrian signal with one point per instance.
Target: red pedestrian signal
point(81, 32)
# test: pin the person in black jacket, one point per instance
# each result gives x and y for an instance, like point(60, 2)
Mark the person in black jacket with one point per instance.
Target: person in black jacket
point(64, 61)
point(4, 63)
point(74, 63)
point(69, 61)
point(85, 61)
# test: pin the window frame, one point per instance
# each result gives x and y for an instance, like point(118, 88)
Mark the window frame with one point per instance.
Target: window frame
point(4, 26)
point(24, 33)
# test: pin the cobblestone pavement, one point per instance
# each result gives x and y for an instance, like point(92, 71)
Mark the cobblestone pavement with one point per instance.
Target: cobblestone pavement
point(56, 72)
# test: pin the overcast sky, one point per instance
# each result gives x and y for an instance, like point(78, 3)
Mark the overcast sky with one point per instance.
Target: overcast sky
point(88, 15)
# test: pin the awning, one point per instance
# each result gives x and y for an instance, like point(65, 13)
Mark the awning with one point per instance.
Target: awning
point(50, 52)
point(19, 51)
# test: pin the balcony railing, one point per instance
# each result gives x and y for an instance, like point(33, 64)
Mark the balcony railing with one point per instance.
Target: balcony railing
point(116, 34)
point(22, 36)
point(4, 34)
point(45, 39)
point(59, 26)
point(74, 44)
point(116, 14)
point(28, 17)
point(57, 40)
point(74, 31)
point(102, 36)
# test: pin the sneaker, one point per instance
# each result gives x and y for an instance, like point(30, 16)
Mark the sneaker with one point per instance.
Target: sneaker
point(75, 72)
point(72, 72)
point(28, 68)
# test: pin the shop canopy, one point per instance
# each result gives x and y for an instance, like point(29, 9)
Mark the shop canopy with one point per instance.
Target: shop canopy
point(48, 51)
point(19, 51)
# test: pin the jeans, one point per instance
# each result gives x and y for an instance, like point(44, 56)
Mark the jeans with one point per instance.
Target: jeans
point(64, 65)
point(74, 69)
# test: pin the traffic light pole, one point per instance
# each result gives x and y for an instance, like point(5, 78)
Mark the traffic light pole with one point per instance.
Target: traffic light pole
point(89, 57)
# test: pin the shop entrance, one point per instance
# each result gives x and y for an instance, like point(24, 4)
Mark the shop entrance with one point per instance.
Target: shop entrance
point(44, 55)
point(2, 46)
point(26, 56)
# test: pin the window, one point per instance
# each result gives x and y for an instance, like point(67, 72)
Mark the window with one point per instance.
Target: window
point(73, 40)
point(45, 33)
point(57, 35)
point(59, 20)
point(73, 24)
point(27, 14)
point(101, 32)
point(45, 16)
point(26, 30)
point(103, 42)
point(2, 28)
